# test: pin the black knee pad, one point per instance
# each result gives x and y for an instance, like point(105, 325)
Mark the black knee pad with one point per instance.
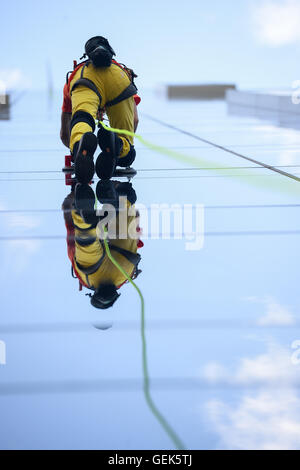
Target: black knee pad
point(83, 116)
point(126, 189)
point(128, 159)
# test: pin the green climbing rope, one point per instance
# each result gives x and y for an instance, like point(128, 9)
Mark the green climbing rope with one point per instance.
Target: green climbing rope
point(271, 182)
point(166, 426)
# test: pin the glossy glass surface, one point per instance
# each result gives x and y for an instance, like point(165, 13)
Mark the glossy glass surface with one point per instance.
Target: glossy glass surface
point(222, 322)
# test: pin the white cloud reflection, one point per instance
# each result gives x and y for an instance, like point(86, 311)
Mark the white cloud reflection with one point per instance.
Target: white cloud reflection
point(276, 23)
point(275, 314)
point(268, 418)
point(13, 78)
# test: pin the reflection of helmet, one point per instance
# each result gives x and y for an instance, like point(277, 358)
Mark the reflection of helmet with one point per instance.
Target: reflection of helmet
point(99, 51)
point(105, 296)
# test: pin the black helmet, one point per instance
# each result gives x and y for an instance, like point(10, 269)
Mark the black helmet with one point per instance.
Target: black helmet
point(99, 51)
point(105, 296)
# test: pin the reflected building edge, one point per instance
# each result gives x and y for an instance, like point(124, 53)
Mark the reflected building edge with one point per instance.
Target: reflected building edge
point(283, 119)
point(4, 107)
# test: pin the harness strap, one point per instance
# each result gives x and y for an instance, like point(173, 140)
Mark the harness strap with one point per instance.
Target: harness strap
point(86, 229)
point(90, 269)
point(82, 70)
point(87, 83)
point(94, 267)
point(133, 258)
point(85, 241)
point(76, 67)
point(127, 93)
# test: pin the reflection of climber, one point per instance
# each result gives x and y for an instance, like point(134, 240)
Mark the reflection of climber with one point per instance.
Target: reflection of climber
point(90, 263)
point(98, 85)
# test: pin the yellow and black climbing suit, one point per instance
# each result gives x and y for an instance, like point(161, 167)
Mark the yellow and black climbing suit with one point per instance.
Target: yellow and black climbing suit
point(93, 89)
point(91, 261)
